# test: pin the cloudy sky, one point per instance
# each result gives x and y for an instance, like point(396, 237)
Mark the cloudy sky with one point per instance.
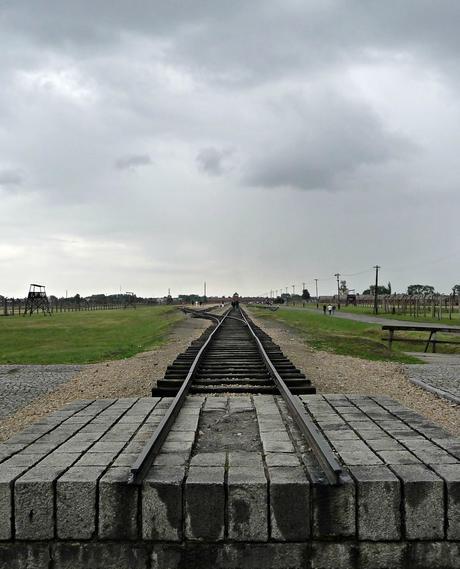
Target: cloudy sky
point(252, 144)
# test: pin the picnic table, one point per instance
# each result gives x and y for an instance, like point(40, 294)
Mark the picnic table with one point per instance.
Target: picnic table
point(432, 329)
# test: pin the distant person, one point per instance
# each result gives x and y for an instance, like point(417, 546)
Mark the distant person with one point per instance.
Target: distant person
point(333, 309)
point(324, 309)
point(329, 309)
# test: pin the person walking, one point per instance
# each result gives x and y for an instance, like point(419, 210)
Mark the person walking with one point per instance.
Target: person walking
point(329, 309)
point(324, 309)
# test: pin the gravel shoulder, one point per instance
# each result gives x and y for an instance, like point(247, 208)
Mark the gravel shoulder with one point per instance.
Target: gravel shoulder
point(331, 373)
point(132, 377)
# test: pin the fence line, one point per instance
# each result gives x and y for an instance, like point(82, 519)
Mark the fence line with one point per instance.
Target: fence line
point(16, 306)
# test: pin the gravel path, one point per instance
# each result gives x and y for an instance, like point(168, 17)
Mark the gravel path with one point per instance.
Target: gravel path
point(331, 373)
point(131, 377)
point(377, 319)
point(21, 384)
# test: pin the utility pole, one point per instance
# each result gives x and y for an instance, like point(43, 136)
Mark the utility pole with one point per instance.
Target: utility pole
point(376, 290)
point(337, 275)
point(204, 289)
point(317, 298)
point(293, 290)
point(286, 289)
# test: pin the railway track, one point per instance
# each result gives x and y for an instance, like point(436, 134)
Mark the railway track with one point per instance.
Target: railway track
point(235, 356)
point(233, 363)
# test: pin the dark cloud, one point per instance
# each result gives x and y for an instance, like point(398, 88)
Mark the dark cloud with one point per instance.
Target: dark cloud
point(132, 161)
point(10, 179)
point(320, 139)
point(212, 160)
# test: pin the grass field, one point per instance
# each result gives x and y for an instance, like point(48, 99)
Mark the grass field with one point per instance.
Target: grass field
point(345, 337)
point(83, 337)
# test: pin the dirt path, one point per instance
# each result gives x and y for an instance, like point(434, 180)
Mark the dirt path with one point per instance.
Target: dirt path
point(331, 373)
point(131, 377)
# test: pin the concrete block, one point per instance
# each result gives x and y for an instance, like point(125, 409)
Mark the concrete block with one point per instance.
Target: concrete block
point(423, 502)
point(244, 458)
point(433, 555)
point(231, 556)
point(34, 504)
point(209, 459)
point(289, 503)
point(162, 503)
point(450, 473)
point(379, 499)
point(334, 556)
point(24, 556)
point(281, 459)
point(334, 508)
point(205, 503)
point(117, 505)
point(382, 555)
point(100, 556)
point(76, 502)
point(247, 504)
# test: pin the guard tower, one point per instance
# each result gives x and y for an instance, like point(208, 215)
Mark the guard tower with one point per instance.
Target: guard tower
point(37, 300)
point(130, 300)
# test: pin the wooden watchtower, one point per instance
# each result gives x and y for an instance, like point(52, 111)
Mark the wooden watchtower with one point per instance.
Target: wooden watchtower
point(37, 300)
point(130, 300)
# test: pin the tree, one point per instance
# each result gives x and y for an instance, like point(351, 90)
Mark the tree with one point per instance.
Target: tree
point(417, 289)
point(343, 287)
point(305, 294)
point(456, 289)
point(380, 290)
point(389, 287)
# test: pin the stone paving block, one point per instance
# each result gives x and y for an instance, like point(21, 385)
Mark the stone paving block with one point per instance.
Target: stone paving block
point(34, 504)
point(450, 473)
point(382, 555)
point(95, 459)
point(170, 459)
point(208, 459)
point(398, 457)
point(162, 512)
point(281, 459)
point(433, 555)
point(247, 504)
point(231, 556)
point(423, 501)
point(24, 556)
point(243, 458)
point(205, 503)
point(277, 446)
point(334, 556)
point(379, 499)
point(117, 505)
point(76, 502)
point(334, 508)
point(289, 503)
point(100, 556)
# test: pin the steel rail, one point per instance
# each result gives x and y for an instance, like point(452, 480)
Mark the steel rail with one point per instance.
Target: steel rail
point(316, 439)
point(145, 459)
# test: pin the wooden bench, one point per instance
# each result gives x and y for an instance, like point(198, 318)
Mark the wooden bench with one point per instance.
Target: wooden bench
point(432, 329)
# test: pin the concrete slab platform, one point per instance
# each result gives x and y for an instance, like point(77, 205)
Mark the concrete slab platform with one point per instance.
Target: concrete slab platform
point(235, 485)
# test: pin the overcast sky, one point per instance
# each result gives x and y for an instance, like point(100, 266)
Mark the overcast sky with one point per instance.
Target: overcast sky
point(252, 144)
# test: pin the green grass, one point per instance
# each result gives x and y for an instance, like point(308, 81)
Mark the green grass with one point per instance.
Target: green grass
point(84, 337)
point(340, 336)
